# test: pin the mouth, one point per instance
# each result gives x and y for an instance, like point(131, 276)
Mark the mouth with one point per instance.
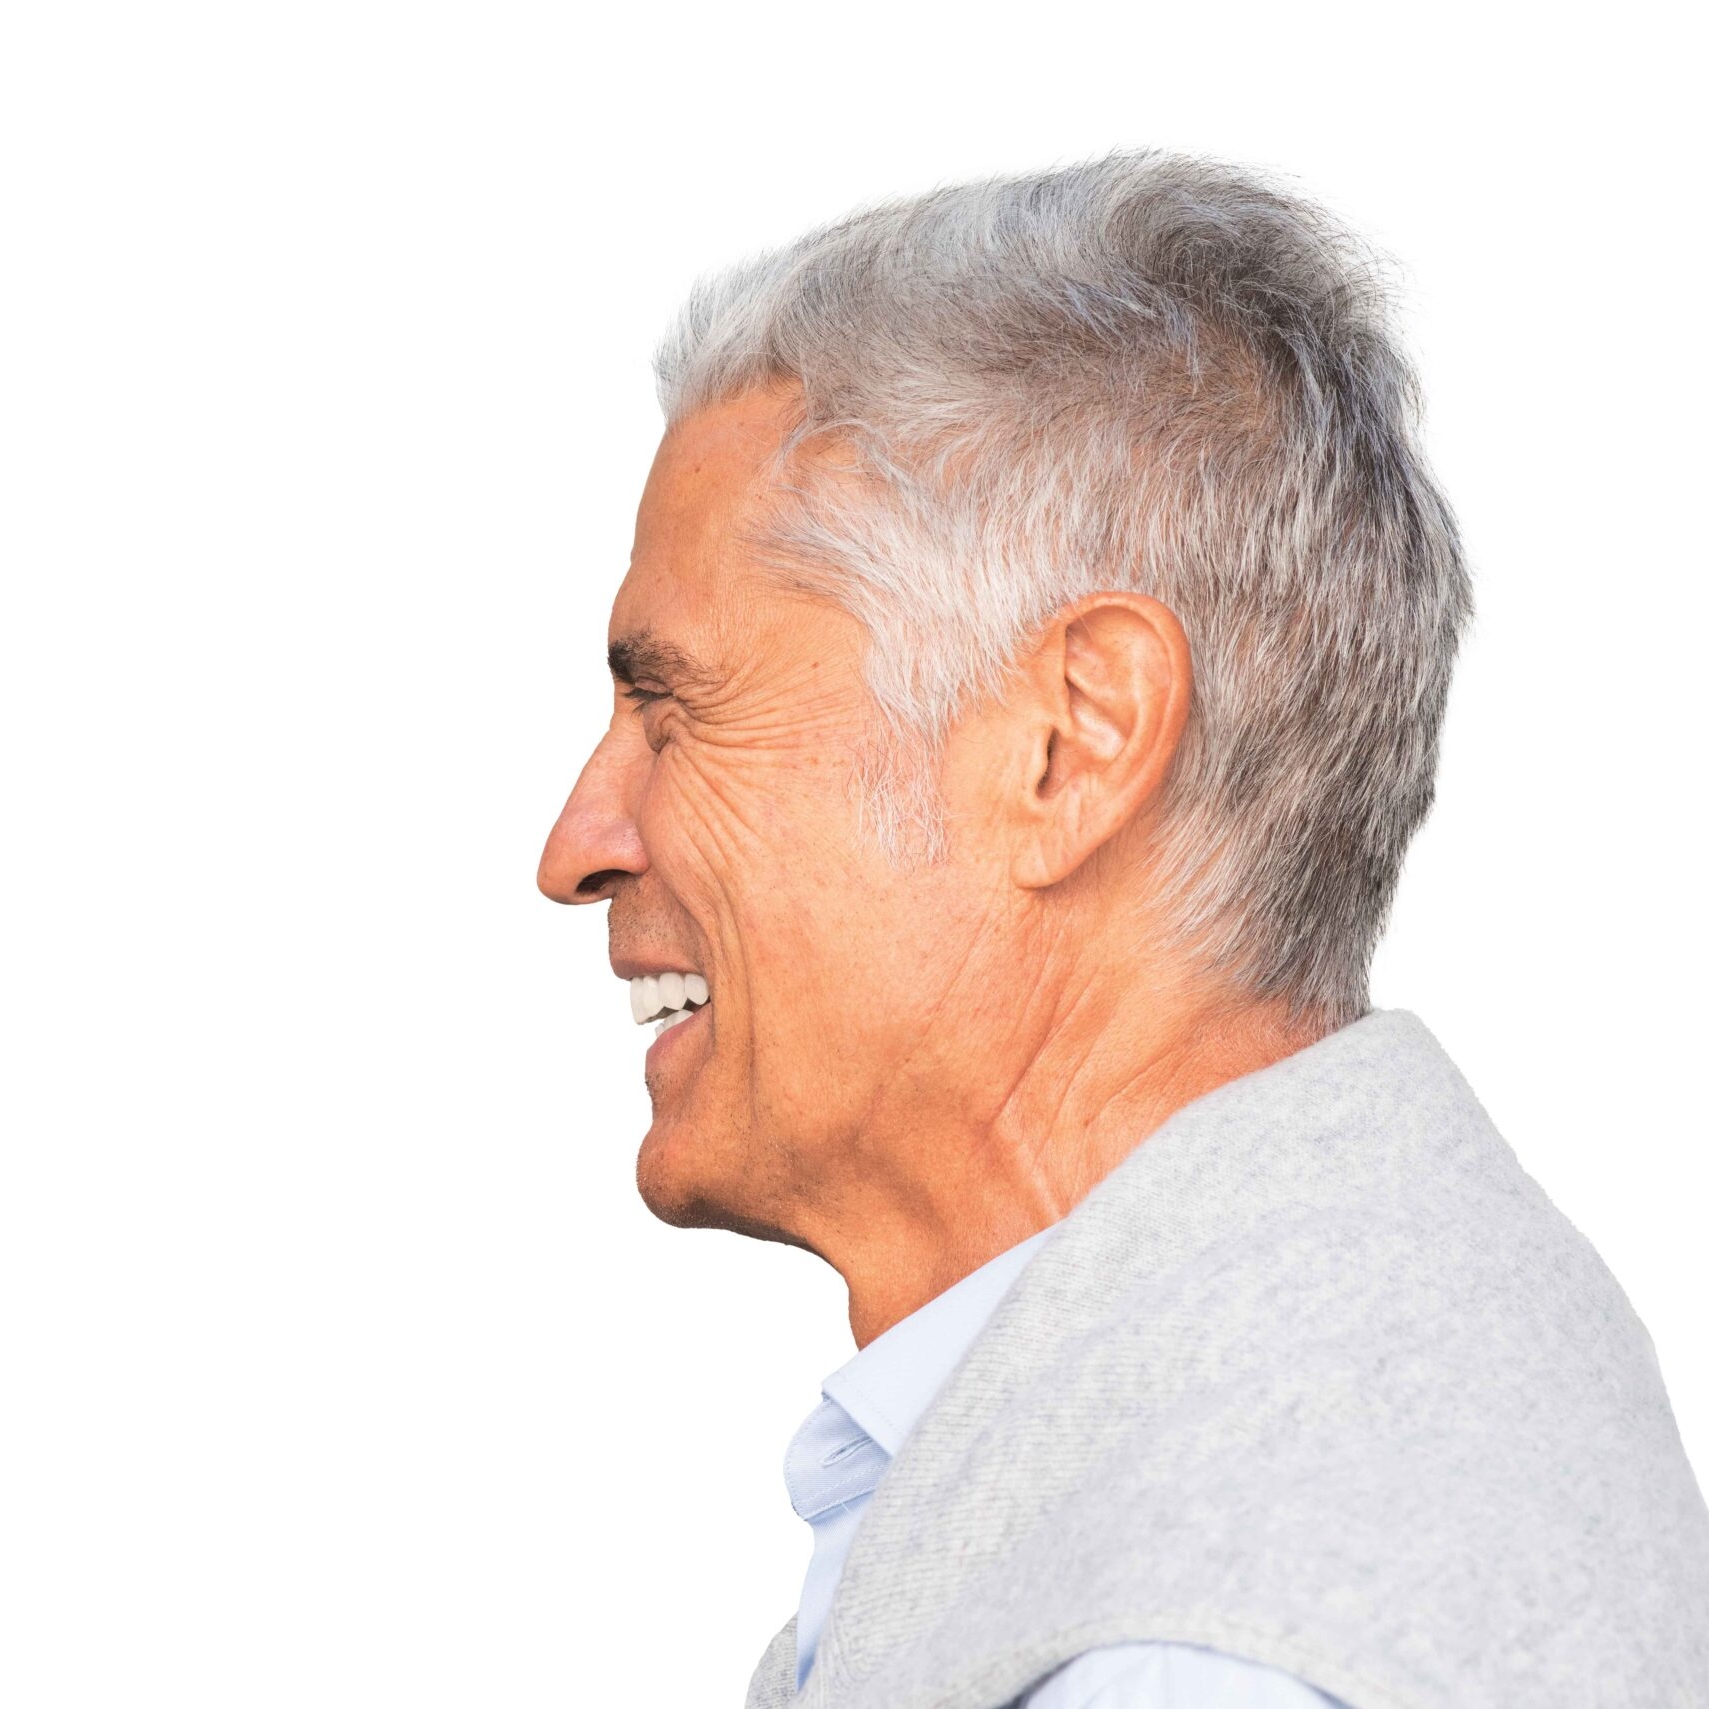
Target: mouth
point(667, 1001)
point(668, 1034)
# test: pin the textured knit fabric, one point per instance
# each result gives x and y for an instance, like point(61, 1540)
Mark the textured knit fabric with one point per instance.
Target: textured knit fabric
point(1316, 1376)
point(840, 1453)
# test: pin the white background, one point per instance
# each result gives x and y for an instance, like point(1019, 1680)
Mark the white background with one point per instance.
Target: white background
point(343, 1365)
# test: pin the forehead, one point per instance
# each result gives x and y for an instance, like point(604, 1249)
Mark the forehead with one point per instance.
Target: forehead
point(690, 583)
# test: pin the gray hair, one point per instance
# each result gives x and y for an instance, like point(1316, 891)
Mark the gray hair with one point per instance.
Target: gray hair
point(1148, 372)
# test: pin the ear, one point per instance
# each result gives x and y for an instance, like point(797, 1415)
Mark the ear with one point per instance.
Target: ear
point(1102, 707)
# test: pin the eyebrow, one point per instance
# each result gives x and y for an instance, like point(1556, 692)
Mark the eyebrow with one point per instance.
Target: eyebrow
point(644, 654)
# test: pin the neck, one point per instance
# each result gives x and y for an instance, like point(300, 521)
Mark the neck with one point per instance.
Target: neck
point(983, 1172)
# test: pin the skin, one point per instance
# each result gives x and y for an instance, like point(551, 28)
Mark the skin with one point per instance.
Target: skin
point(906, 1073)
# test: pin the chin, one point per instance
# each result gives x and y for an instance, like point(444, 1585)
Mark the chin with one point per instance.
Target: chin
point(675, 1177)
point(681, 1185)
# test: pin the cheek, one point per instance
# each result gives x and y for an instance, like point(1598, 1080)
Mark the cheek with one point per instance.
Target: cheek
point(736, 808)
point(685, 812)
point(761, 849)
point(718, 841)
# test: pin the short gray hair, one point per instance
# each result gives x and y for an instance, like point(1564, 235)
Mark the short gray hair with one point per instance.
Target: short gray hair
point(1149, 372)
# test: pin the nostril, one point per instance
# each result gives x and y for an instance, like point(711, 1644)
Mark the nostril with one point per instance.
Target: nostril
point(597, 881)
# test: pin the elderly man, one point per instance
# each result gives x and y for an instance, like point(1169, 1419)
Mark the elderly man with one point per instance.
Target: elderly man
point(1027, 680)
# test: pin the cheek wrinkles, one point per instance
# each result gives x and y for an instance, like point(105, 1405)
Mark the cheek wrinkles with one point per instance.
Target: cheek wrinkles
point(699, 796)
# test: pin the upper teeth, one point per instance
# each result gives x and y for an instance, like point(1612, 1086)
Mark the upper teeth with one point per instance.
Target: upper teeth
point(653, 994)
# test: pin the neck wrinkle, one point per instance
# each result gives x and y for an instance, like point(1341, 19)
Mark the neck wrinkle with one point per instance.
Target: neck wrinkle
point(1029, 1172)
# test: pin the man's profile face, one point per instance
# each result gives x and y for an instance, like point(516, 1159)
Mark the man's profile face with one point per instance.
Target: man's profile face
point(717, 807)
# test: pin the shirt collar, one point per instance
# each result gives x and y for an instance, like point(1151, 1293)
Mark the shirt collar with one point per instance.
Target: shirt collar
point(890, 1382)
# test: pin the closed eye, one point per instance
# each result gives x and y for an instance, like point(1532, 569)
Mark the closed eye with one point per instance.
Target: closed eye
point(642, 698)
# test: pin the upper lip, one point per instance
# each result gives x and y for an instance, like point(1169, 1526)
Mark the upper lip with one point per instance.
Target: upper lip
point(640, 967)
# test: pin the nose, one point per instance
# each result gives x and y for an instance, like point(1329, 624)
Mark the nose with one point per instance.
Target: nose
point(595, 842)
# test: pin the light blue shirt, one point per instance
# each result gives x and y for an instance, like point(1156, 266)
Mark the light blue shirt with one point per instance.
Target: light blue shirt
point(837, 1457)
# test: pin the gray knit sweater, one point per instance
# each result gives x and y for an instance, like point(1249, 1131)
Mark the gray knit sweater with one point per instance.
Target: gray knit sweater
point(1317, 1376)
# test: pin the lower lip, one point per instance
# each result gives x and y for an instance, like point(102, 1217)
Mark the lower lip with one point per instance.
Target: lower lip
point(666, 1041)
